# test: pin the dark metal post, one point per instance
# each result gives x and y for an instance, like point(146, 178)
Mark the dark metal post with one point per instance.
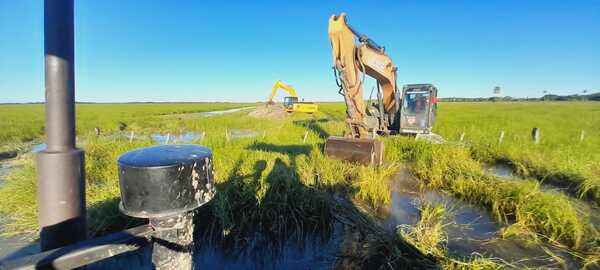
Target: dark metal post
point(60, 169)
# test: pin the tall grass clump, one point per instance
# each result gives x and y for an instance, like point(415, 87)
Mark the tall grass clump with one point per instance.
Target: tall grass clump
point(561, 158)
point(429, 237)
point(452, 169)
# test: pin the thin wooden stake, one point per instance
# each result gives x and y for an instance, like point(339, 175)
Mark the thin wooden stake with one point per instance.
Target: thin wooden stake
point(131, 137)
point(203, 135)
point(501, 138)
point(582, 136)
point(264, 134)
point(226, 134)
point(305, 135)
point(462, 136)
point(168, 137)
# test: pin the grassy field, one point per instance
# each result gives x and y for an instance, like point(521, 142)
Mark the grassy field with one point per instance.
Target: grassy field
point(282, 186)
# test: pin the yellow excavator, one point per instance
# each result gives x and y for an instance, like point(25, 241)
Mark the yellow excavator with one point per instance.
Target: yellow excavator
point(291, 103)
point(410, 110)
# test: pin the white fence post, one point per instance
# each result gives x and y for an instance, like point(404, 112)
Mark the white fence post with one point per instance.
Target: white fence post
point(501, 138)
point(131, 137)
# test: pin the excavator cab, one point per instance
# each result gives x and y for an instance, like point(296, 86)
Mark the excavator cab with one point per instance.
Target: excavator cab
point(419, 106)
point(288, 102)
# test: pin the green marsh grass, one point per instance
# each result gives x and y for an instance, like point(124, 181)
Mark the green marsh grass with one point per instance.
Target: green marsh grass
point(283, 186)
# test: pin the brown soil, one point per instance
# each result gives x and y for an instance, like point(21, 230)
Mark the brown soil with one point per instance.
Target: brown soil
point(275, 111)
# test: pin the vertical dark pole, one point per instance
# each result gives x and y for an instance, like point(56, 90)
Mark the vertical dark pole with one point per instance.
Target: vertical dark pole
point(60, 169)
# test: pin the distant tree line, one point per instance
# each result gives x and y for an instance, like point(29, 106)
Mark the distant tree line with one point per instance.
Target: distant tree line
point(547, 97)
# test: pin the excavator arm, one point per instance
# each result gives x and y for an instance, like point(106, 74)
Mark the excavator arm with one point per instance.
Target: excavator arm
point(280, 85)
point(351, 63)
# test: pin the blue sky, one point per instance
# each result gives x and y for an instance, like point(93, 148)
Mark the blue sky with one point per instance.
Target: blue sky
point(234, 51)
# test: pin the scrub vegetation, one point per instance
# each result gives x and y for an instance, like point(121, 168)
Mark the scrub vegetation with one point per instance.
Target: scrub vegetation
point(279, 184)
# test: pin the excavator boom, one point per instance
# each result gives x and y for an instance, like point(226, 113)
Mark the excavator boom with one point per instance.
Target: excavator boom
point(280, 85)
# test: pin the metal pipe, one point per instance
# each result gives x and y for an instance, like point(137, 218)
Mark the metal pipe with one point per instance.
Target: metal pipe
point(86, 252)
point(173, 242)
point(60, 168)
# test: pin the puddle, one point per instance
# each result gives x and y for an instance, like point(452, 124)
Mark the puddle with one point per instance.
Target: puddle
point(207, 114)
point(169, 138)
point(465, 221)
point(499, 169)
point(241, 133)
point(504, 171)
point(470, 228)
point(311, 253)
point(38, 147)
point(17, 246)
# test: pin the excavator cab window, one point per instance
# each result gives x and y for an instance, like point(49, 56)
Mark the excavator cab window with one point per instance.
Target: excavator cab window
point(418, 109)
point(289, 102)
point(416, 102)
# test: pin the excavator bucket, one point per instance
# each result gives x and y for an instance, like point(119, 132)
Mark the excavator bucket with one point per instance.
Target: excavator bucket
point(364, 151)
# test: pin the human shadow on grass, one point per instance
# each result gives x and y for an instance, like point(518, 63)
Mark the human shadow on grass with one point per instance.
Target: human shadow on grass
point(292, 150)
point(257, 214)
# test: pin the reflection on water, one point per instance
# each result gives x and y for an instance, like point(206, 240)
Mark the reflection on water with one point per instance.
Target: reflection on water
point(38, 147)
point(499, 169)
point(465, 221)
point(313, 252)
point(470, 229)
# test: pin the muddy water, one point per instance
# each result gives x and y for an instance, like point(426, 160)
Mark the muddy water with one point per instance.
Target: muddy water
point(470, 229)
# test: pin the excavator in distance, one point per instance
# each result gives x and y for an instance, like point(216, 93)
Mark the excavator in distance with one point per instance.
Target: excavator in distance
point(291, 103)
point(407, 111)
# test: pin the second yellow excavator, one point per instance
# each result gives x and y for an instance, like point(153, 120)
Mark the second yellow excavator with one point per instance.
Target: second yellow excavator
point(291, 102)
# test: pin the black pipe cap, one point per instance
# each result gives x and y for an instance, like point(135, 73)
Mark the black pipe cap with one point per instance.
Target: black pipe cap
point(165, 180)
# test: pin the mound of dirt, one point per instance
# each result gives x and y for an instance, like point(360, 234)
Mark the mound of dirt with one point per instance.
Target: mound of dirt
point(275, 111)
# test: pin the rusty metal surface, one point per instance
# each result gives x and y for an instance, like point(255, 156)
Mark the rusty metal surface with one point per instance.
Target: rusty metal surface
point(365, 151)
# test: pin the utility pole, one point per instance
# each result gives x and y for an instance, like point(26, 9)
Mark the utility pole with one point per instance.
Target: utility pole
point(60, 167)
